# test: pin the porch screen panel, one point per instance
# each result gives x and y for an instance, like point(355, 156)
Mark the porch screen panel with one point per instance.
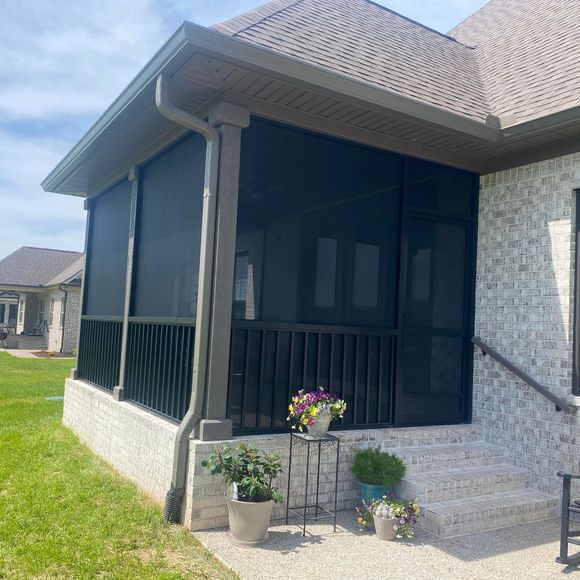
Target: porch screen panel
point(107, 254)
point(167, 263)
point(319, 230)
point(162, 318)
point(103, 304)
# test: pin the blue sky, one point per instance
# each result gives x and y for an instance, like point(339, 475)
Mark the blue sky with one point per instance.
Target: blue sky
point(64, 62)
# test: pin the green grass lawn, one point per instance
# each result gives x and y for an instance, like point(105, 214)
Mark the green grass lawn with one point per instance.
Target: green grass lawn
point(63, 512)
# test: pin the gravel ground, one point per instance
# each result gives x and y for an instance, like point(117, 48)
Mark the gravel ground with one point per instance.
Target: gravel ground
point(524, 551)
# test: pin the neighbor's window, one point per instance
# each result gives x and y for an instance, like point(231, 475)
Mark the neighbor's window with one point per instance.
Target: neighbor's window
point(576, 371)
point(50, 313)
point(40, 310)
point(21, 311)
point(62, 303)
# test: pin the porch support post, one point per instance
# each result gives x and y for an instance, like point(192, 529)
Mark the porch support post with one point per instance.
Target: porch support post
point(119, 390)
point(230, 120)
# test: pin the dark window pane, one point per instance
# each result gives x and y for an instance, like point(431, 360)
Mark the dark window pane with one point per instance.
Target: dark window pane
point(240, 286)
point(436, 286)
point(366, 276)
point(170, 207)
point(107, 261)
point(440, 188)
point(325, 285)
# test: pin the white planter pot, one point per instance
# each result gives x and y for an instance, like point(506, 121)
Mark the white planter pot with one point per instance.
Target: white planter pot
point(320, 426)
point(249, 521)
point(385, 528)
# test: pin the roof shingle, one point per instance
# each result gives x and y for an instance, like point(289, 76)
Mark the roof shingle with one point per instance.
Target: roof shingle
point(39, 267)
point(368, 42)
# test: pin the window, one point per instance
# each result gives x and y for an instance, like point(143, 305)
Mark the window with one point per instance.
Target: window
point(240, 286)
point(366, 276)
point(2, 313)
point(325, 285)
point(40, 310)
point(50, 313)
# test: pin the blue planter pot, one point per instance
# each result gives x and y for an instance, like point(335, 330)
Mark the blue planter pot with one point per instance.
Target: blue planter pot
point(368, 491)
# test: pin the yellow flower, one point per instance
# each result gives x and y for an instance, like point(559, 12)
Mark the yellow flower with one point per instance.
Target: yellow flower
point(289, 407)
point(305, 421)
point(313, 411)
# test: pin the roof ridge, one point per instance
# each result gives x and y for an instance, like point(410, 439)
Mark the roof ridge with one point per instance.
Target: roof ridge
point(417, 23)
point(467, 18)
point(242, 22)
point(49, 250)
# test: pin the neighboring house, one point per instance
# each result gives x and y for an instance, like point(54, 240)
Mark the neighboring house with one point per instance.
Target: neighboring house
point(323, 192)
point(40, 293)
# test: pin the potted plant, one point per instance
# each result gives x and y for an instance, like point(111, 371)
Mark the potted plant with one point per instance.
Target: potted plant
point(251, 494)
point(377, 472)
point(394, 518)
point(314, 411)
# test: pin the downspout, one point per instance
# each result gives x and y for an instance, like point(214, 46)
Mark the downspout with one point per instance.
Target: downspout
point(63, 315)
point(175, 494)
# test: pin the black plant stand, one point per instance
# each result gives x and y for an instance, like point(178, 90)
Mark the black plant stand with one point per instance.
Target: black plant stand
point(315, 444)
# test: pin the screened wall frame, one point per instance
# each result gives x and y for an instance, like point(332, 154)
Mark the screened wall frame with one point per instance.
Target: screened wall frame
point(441, 208)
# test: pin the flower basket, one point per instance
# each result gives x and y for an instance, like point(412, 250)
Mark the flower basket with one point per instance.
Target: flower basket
point(314, 411)
point(389, 514)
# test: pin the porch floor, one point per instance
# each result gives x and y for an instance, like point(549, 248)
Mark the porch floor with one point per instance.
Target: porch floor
point(523, 551)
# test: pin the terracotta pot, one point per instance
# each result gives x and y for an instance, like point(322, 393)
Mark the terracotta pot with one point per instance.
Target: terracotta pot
point(249, 521)
point(385, 528)
point(320, 426)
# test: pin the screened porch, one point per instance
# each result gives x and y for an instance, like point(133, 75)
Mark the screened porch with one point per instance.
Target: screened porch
point(353, 270)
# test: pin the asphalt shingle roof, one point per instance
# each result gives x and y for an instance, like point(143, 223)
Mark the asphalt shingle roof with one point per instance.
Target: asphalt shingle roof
point(39, 267)
point(512, 57)
point(529, 54)
point(368, 42)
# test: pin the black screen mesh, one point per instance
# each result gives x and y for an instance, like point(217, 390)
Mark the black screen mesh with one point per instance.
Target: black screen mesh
point(107, 261)
point(170, 206)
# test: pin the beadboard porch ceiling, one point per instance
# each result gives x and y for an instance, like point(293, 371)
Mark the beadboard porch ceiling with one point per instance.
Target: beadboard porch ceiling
point(206, 66)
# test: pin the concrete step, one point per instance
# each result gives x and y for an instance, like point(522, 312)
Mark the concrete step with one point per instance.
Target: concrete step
point(436, 486)
point(454, 456)
point(432, 435)
point(459, 517)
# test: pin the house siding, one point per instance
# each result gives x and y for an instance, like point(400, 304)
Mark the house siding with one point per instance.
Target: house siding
point(524, 309)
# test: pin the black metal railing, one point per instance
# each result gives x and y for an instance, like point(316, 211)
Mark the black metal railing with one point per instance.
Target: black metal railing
point(271, 361)
point(559, 403)
point(159, 364)
point(99, 353)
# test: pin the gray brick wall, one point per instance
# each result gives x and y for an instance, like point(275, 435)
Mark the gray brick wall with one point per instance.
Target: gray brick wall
point(72, 320)
point(524, 309)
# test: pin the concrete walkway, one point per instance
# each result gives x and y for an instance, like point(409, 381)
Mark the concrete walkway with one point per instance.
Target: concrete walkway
point(525, 551)
point(23, 353)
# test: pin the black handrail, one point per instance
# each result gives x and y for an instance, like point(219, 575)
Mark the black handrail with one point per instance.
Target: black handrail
point(560, 404)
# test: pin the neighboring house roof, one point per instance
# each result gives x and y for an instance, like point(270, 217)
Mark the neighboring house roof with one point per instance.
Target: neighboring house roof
point(40, 267)
point(371, 43)
point(529, 55)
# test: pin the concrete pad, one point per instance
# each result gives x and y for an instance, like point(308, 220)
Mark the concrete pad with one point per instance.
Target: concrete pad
point(526, 551)
point(20, 353)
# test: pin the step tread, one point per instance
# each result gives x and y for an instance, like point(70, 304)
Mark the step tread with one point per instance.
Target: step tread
point(516, 499)
point(448, 449)
point(466, 473)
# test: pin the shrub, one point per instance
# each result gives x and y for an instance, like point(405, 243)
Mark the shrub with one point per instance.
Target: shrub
point(250, 473)
point(376, 467)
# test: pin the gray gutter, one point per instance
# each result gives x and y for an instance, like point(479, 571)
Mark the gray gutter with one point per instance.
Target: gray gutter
point(191, 38)
point(204, 293)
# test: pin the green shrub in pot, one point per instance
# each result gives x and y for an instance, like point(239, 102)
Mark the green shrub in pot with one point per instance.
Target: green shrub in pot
point(251, 494)
point(377, 472)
